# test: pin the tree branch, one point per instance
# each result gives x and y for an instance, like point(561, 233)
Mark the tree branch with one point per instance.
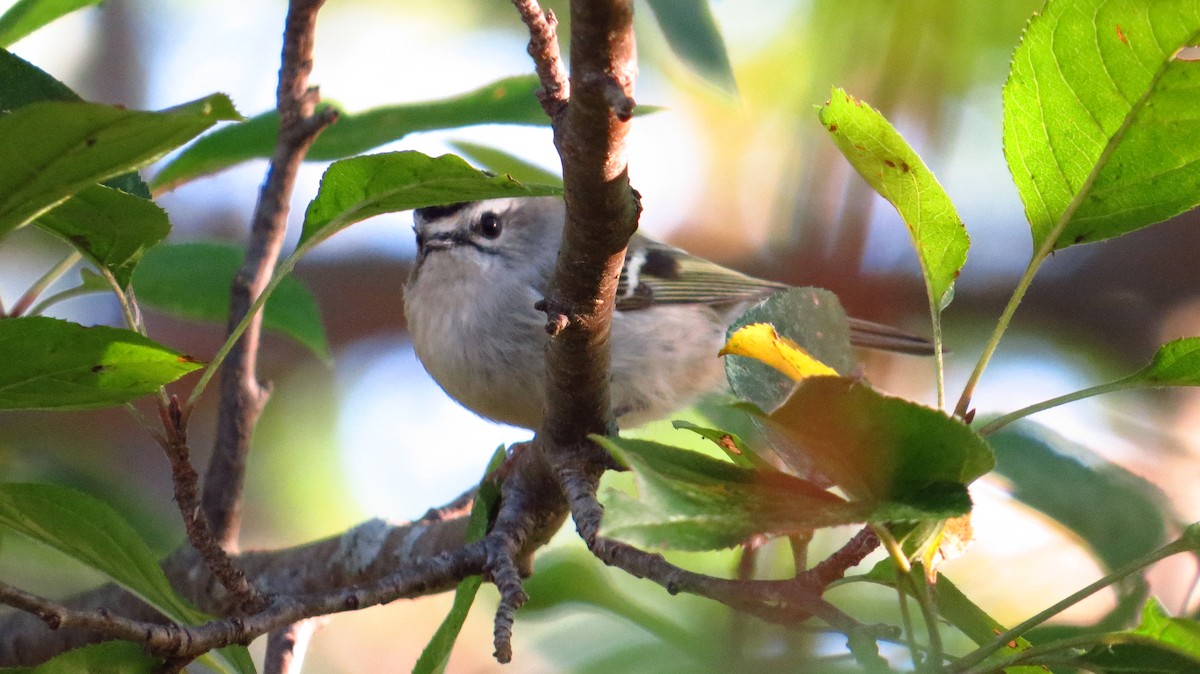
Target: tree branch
point(785, 602)
point(371, 564)
point(602, 211)
point(242, 396)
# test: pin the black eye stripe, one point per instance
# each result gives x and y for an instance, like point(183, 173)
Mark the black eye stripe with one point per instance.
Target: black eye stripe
point(431, 213)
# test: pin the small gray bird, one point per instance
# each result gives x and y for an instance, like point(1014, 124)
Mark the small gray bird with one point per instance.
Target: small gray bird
point(482, 266)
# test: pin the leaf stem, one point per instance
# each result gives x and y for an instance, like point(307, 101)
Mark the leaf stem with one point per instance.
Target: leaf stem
point(40, 285)
point(904, 575)
point(1033, 653)
point(1175, 547)
point(129, 308)
point(964, 401)
point(57, 297)
point(1118, 385)
point(281, 271)
point(929, 613)
point(939, 364)
point(1051, 241)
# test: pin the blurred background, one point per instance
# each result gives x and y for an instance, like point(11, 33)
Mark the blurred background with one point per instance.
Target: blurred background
point(745, 176)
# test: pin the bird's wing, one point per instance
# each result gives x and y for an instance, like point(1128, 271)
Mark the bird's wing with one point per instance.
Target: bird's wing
point(655, 273)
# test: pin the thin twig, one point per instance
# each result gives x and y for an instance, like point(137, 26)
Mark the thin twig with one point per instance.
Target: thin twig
point(555, 90)
point(850, 555)
point(187, 496)
point(26, 300)
point(242, 396)
point(785, 602)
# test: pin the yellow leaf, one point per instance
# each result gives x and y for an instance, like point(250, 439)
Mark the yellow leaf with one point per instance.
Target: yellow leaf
point(951, 542)
point(760, 342)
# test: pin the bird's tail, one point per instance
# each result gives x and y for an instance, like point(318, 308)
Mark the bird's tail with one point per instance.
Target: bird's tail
point(886, 338)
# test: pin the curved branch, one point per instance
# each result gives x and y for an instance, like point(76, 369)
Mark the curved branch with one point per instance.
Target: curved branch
point(242, 396)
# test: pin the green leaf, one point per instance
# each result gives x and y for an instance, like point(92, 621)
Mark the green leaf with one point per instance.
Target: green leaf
point(25, 83)
point(811, 317)
point(1101, 120)
point(1120, 516)
point(1160, 643)
point(883, 449)
point(508, 101)
point(436, 654)
point(26, 16)
point(110, 657)
point(191, 280)
point(363, 187)
point(730, 444)
point(57, 365)
point(1132, 654)
point(893, 169)
point(87, 530)
point(90, 532)
point(113, 229)
point(51, 150)
point(570, 575)
point(694, 502)
point(1176, 363)
point(1181, 633)
point(503, 163)
point(692, 32)
point(955, 608)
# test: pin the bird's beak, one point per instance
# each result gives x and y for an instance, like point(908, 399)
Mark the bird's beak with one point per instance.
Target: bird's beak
point(439, 241)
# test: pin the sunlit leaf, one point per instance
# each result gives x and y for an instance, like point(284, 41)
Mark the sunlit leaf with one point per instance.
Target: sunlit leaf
point(760, 342)
point(25, 83)
point(880, 154)
point(1118, 515)
point(878, 448)
point(690, 501)
point(1101, 120)
point(1176, 363)
point(363, 187)
point(505, 164)
point(1160, 643)
point(507, 101)
point(812, 318)
point(111, 228)
point(26, 16)
point(693, 34)
point(1181, 633)
point(52, 364)
point(191, 280)
point(51, 150)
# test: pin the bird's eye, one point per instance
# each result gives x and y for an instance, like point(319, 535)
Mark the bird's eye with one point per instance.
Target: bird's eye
point(489, 225)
